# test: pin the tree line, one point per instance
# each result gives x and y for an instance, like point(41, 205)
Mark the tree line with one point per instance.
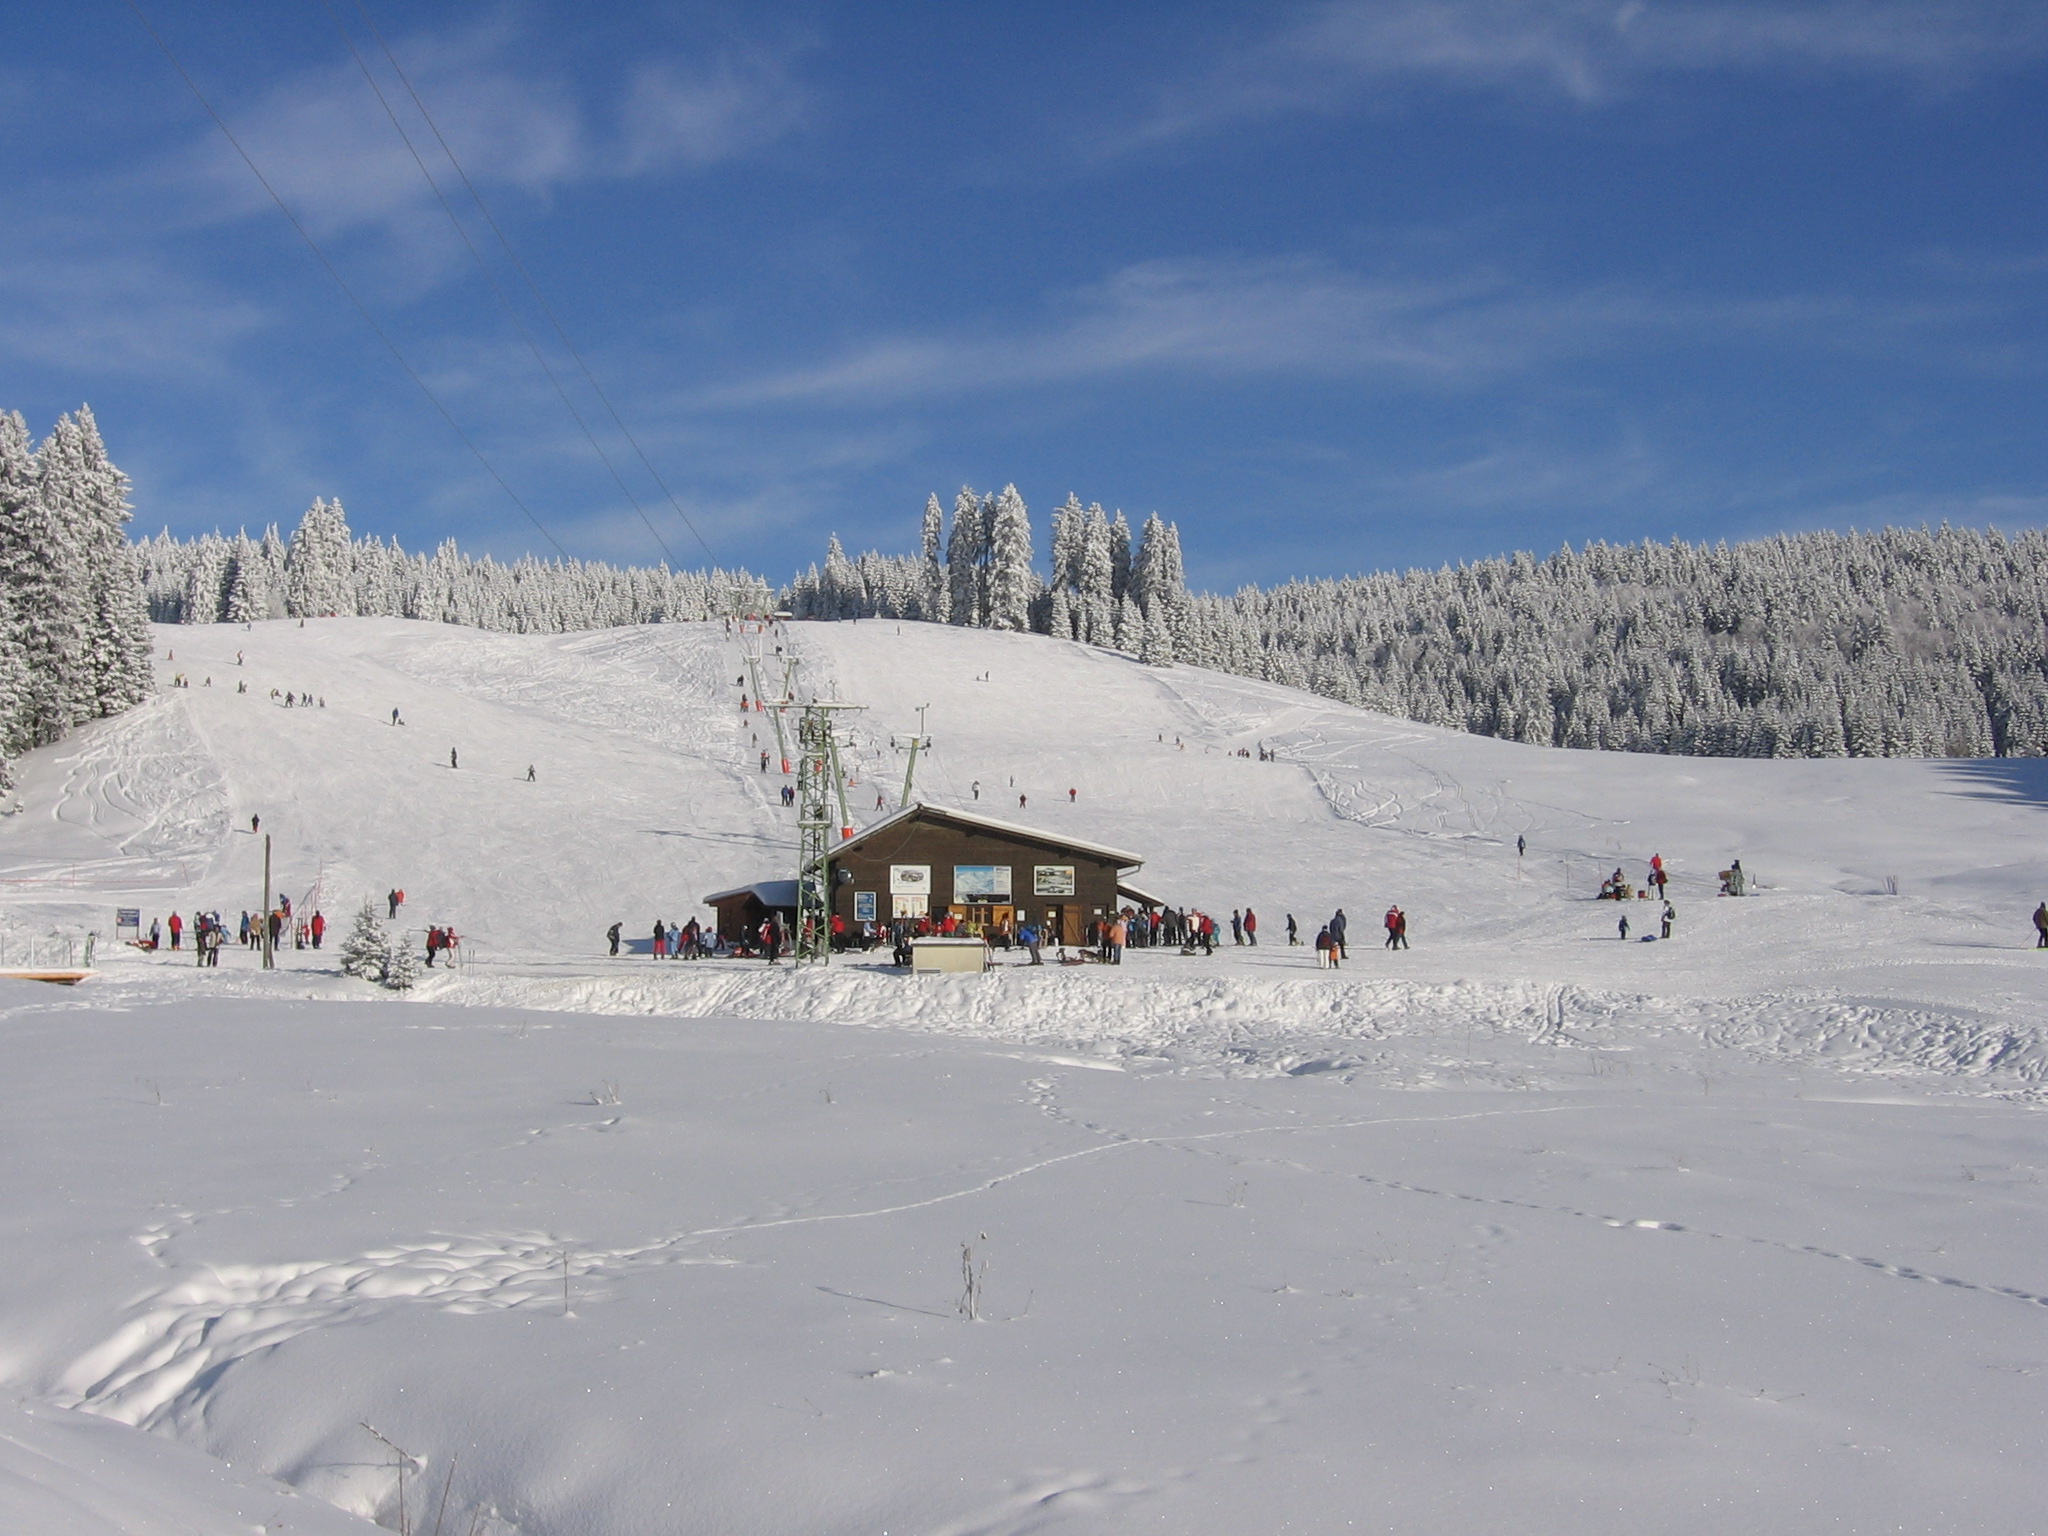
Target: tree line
point(1902, 642)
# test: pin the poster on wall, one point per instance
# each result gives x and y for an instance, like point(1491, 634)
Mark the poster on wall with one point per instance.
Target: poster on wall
point(981, 882)
point(1052, 879)
point(863, 906)
point(910, 880)
point(906, 906)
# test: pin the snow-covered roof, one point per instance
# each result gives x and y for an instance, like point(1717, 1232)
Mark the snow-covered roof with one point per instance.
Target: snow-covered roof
point(1142, 898)
point(1124, 859)
point(770, 893)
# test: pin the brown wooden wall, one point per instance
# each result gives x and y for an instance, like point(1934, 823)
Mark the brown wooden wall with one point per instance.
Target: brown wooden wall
point(942, 846)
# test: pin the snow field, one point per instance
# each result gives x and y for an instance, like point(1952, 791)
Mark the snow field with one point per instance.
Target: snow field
point(1523, 1229)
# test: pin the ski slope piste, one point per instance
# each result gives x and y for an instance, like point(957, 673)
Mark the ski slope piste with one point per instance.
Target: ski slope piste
point(1526, 1228)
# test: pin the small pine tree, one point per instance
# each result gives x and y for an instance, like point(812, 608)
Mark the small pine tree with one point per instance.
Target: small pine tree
point(401, 965)
point(364, 951)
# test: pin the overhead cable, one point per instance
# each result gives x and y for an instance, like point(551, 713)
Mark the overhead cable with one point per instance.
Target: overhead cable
point(341, 282)
point(491, 281)
point(526, 276)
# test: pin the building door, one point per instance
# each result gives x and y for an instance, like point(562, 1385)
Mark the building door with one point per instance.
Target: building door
point(1063, 925)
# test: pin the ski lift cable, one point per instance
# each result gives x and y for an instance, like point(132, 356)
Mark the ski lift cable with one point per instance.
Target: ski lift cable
point(342, 282)
point(491, 281)
point(531, 286)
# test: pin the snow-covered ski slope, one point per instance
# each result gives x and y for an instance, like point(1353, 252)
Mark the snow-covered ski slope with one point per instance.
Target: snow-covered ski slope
point(647, 795)
point(1523, 1229)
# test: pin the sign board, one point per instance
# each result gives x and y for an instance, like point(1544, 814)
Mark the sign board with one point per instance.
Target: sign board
point(863, 906)
point(127, 917)
point(981, 882)
point(910, 879)
point(907, 906)
point(1052, 879)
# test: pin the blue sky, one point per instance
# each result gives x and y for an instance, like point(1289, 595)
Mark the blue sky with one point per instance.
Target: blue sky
point(1337, 287)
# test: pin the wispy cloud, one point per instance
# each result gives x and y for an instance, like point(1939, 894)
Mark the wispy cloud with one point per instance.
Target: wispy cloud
point(1299, 317)
point(128, 315)
point(327, 145)
point(1335, 55)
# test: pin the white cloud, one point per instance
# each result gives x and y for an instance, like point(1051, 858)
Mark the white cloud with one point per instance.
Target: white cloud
point(1299, 317)
point(1337, 54)
point(328, 146)
point(119, 315)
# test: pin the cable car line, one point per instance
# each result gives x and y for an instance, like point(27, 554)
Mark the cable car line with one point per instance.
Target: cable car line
point(532, 287)
point(491, 281)
point(341, 282)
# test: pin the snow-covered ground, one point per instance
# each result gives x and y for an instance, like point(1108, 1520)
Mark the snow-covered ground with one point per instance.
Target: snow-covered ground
point(1522, 1229)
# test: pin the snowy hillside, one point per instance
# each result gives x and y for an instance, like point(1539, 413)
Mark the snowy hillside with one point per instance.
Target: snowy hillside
point(1524, 1228)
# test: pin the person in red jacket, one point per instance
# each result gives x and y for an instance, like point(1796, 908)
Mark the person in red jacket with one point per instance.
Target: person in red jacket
point(177, 929)
point(318, 928)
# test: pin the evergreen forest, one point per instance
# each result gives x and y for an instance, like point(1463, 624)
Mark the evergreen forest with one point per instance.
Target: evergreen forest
point(1905, 642)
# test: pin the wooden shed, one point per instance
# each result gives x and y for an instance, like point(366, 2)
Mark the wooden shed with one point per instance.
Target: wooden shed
point(933, 860)
point(743, 909)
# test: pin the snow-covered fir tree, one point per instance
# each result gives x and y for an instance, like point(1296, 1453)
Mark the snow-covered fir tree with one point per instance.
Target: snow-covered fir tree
point(319, 566)
point(1012, 583)
point(967, 560)
point(74, 628)
point(933, 592)
point(401, 970)
point(366, 950)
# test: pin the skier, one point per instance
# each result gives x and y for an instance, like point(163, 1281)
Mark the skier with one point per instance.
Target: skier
point(1021, 802)
point(1337, 931)
point(177, 930)
point(612, 933)
point(451, 758)
point(255, 824)
point(1669, 913)
point(1293, 933)
point(764, 759)
point(1624, 927)
point(394, 716)
point(1251, 927)
point(1521, 846)
point(1071, 795)
point(2041, 926)
point(529, 773)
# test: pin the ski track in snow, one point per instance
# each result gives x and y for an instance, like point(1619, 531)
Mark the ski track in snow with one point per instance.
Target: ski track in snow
point(155, 1371)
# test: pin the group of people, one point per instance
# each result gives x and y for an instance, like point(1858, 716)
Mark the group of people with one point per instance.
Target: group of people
point(210, 931)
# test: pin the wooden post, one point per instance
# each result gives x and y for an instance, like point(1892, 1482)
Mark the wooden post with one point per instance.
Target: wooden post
point(269, 959)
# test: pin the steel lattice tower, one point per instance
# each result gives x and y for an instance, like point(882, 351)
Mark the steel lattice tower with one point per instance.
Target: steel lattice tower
point(820, 813)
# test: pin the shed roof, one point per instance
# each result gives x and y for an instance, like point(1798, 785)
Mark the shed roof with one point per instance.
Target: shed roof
point(919, 810)
point(770, 893)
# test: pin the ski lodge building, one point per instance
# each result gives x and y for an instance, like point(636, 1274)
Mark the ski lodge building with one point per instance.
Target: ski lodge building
point(929, 860)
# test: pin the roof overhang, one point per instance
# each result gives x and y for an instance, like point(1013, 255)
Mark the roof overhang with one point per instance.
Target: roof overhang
point(921, 811)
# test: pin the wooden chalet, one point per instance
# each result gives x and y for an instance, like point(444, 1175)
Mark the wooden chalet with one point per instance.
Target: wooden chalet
point(934, 860)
